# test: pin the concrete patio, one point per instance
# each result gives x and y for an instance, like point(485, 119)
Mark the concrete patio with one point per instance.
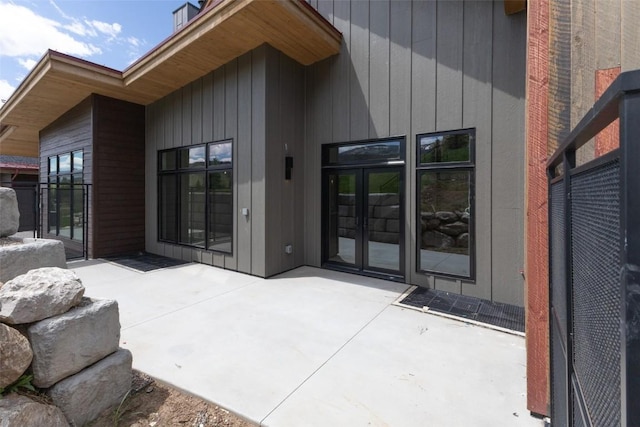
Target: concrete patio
point(313, 347)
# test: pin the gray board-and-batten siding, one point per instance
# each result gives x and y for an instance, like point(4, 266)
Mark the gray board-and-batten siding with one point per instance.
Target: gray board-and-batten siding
point(405, 68)
point(257, 101)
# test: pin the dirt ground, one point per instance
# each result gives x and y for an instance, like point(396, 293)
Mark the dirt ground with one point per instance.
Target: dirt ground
point(153, 404)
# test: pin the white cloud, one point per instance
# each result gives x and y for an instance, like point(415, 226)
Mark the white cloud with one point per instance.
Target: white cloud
point(27, 63)
point(42, 34)
point(134, 41)
point(80, 29)
point(5, 89)
point(111, 30)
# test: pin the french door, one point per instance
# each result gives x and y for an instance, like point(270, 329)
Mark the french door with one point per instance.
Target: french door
point(363, 220)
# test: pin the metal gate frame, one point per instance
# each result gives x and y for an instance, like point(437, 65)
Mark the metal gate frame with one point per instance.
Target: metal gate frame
point(570, 399)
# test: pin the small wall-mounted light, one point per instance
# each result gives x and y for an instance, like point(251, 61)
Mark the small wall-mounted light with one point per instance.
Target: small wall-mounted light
point(288, 165)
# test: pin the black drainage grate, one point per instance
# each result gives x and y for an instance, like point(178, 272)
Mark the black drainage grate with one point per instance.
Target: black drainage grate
point(144, 261)
point(503, 315)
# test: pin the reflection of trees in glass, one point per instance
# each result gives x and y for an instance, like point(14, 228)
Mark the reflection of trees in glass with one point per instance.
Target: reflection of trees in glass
point(444, 191)
point(445, 148)
point(372, 151)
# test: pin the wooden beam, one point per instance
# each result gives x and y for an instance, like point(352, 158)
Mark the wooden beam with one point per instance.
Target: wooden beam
point(536, 226)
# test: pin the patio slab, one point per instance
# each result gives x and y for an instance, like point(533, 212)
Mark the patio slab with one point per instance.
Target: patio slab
point(312, 347)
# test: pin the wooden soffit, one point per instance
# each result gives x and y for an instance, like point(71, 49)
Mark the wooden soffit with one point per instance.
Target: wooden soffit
point(223, 31)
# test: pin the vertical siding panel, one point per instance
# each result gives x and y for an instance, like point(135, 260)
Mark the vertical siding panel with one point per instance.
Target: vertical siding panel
point(630, 38)
point(186, 116)
point(450, 16)
point(478, 22)
point(177, 119)
point(162, 126)
point(298, 153)
point(379, 69)
point(400, 106)
point(207, 107)
point(359, 79)
point(274, 164)
point(508, 157)
point(258, 156)
point(218, 104)
point(341, 69)
point(196, 112)
point(400, 68)
point(231, 131)
point(423, 111)
point(243, 164)
point(449, 69)
point(312, 242)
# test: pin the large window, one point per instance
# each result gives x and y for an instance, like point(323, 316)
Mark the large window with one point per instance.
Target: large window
point(196, 196)
point(65, 196)
point(445, 203)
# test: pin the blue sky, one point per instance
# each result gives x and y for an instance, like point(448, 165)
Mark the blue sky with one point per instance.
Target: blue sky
point(113, 33)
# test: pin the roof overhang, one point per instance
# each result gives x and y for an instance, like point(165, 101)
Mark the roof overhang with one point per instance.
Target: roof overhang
point(223, 31)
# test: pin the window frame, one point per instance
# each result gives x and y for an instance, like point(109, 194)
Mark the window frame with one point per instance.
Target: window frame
point(400, 160)
point(179, 171)
point(455, 166)
point(54, 181)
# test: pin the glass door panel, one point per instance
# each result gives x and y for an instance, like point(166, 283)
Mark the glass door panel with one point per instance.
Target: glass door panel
point(383, 219)
point(342, 218)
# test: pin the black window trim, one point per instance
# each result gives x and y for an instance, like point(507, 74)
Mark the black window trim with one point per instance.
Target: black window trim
point(449, 166)
point(178, 171)
point(53, 179)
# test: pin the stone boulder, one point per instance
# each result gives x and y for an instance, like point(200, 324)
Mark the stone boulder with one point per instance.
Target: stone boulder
point(20, 411)
point(455, 228)
point(83, 396)
point(39, 294)
point(32, 253)
point(446, 216)
point(9, 213)
point(66, 344)
point(15, 355)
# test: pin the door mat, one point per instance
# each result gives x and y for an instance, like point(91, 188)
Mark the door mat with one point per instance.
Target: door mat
point(145, 262)
point(502, 315)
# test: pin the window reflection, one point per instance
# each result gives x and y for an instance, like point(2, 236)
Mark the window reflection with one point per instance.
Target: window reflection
point(445, 201)
point(66, 195)
point(193, 157)
point(364, 153)
point(196, 198)
point(453, 147)
point(220, 154)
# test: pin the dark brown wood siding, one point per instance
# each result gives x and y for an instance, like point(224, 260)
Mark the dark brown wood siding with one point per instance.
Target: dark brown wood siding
point(118, 179)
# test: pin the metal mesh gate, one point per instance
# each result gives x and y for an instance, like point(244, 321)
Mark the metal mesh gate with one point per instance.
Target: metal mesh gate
point(594, 242)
